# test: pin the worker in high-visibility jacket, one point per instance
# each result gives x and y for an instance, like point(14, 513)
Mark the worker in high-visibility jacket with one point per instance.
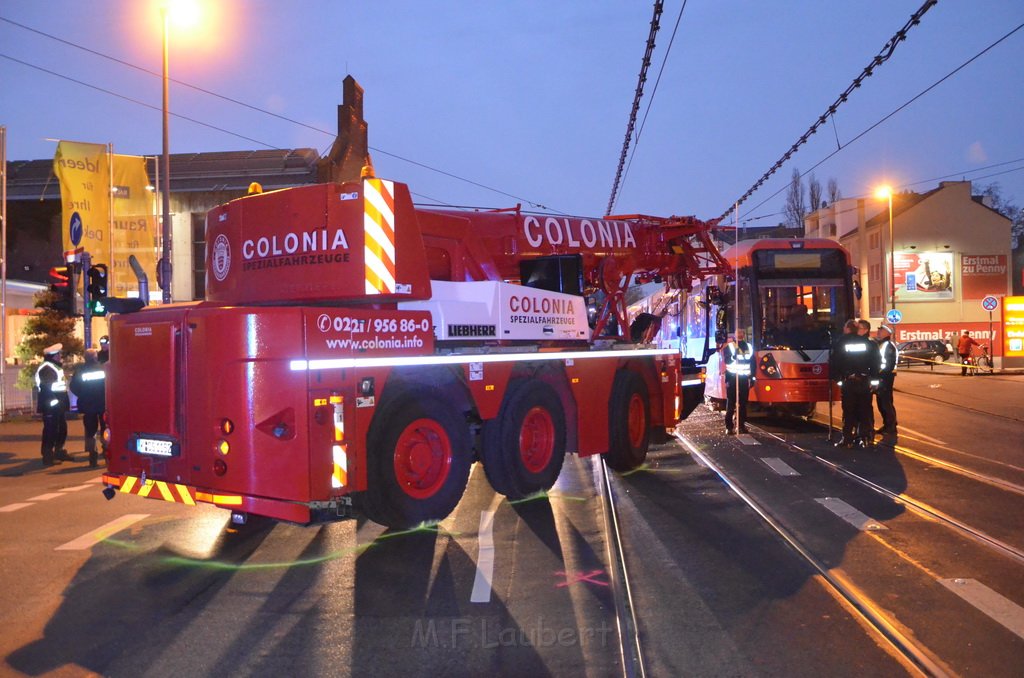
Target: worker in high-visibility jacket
point(855, 364)
point(89, 385)
point(53, 404)
point(737, 355)
point(888, 356)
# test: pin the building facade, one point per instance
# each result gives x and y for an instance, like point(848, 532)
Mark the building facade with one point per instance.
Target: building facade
point(941, 254)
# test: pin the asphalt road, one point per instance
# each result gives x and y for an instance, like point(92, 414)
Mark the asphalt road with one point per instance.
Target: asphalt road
point(141, 587)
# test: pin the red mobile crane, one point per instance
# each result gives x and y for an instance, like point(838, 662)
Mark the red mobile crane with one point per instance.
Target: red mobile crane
point(355, 352)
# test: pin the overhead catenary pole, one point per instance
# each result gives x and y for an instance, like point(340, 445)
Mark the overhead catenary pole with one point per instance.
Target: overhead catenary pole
point(165, 261)
point(3, 272)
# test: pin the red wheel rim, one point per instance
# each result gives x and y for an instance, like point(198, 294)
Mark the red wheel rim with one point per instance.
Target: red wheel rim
point(423, 458)
point(637, 420)
point(537, 440)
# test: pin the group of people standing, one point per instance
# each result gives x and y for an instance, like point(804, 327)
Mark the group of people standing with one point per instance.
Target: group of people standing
point(864, 367)
point(88, 383)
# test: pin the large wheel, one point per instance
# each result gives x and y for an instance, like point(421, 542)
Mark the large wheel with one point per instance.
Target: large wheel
point(629, 422)
point(524, 446)
point(418, 459)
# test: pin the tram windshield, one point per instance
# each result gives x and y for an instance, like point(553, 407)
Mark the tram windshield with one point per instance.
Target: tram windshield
point(801, 295)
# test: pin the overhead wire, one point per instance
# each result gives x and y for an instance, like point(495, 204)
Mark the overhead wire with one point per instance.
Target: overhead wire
point(878, 60)
point(638, 94)
point(894, 112)
point(239, 103)
point(650, 101)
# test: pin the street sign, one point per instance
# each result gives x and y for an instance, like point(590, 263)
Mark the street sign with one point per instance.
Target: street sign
point(990, 303)
point(894, 316)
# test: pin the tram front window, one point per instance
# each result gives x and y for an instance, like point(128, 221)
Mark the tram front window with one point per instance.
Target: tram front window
point(799, 316)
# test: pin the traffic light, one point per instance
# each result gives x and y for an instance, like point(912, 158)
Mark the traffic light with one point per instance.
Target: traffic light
point(97, 283)
point(62, 284)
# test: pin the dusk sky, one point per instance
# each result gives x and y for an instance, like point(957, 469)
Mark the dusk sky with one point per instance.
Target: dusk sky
point(532, 97)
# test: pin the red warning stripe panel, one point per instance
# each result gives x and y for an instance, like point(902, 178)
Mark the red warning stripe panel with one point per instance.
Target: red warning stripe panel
point(154, 489)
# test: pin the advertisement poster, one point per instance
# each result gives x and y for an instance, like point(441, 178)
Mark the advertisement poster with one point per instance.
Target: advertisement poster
point(1013, 327)
point(982, 275)
point(926, 276)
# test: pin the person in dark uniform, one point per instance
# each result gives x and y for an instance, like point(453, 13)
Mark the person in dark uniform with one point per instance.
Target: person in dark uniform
point(736, 355)
point(89, 384)
point(888, 357)
point(856, 361)
point(53, 404)
point(104, 352)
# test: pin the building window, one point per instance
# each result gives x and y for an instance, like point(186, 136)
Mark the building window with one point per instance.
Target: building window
point(199, 256)
point(876, 305)
point(875, 272)
point(873, 241)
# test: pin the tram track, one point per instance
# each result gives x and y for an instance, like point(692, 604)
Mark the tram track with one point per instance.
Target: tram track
point(630, 645)
point(918, 506)
point(869, 611)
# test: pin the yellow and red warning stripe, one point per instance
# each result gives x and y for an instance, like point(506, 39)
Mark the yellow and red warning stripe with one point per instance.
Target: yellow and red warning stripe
point(379, 235)
point(172, 492)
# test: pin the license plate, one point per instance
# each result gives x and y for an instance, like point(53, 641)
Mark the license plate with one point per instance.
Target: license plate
point(157, 448)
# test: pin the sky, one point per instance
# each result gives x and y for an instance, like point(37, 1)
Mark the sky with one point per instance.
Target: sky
point(531, 98)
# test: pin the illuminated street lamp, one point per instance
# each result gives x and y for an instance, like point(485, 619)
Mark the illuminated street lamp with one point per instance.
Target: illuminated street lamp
point(886, 193)
point(184, 13)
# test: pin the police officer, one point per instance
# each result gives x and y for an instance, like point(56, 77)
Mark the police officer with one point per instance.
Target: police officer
point(888, 357)
point(89, 384)
point(856, 361)
point(104, 353)
point(53, 404)
point(736, 355)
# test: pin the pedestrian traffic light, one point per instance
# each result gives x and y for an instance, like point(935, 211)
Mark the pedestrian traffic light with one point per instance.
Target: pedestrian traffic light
point(62, 284)
point(97, 289)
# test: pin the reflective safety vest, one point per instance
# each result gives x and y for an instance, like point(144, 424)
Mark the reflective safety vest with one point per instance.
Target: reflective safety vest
point(737, 358)
point(51, 393)
point(889, 357)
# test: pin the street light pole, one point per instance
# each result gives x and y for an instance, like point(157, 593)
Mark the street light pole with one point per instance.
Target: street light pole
point(892, 258)
point(165, 260)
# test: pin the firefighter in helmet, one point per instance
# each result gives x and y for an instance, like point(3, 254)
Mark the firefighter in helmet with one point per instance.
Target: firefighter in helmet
point(53, 404)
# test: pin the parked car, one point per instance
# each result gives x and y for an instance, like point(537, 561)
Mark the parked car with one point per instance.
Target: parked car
point(923, 350)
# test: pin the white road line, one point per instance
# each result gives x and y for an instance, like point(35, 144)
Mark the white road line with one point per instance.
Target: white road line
point(922, 435)
point(779, 466)
point(96, 536)
point(747, 439)
point(850, 514)
point(44, 497)
point(999, 608)
point(76, 488)
point(14, 507)
point(485, 560)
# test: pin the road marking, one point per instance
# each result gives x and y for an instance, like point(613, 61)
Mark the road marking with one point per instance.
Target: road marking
point(999, 608)
point(44, 497)
point(851, 515)
point(922, 435)
point(779, 466)
point(747, 439)
point(485, 560)
point(76, 488)
point(14, 507)
point(96, 536)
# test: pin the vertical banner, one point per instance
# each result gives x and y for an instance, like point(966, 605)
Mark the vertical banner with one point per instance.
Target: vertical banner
point(84, 178)
point(983, 275)
point(135, 229)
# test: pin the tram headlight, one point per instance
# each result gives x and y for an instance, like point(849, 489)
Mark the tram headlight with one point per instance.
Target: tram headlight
point(768, 367)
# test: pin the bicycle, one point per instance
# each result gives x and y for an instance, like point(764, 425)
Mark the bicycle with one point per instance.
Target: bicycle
point(983, 361)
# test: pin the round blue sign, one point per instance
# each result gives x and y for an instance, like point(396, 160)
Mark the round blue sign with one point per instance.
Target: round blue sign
point(990, 303)
point(894, 316)
point(75, 228)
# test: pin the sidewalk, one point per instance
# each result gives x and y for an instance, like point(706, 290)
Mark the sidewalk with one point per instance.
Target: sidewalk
point(19, 448)
point(998, 393)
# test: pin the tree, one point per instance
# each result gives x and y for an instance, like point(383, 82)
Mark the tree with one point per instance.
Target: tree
point(833, 190)
point(44, 329)
point(1008, 209)
point(796, 205)
point(814, 192)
